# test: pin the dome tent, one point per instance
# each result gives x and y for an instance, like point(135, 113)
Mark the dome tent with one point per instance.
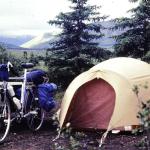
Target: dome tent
point(103, 97)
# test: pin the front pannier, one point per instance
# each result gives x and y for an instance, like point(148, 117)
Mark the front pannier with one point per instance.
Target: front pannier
point(4, 75)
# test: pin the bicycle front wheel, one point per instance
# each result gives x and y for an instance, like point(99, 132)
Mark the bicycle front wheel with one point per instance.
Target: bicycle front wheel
point(5, 118)
point(36, 117)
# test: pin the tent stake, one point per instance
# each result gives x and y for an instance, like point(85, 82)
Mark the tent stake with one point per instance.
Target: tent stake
point(57, 137)
point(103, 138)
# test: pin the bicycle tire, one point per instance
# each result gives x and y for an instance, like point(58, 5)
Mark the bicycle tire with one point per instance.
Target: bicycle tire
point(36, 117)
point(5, 117)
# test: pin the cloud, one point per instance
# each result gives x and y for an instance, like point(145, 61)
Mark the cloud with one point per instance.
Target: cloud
point(18, 16)
point(28, 15)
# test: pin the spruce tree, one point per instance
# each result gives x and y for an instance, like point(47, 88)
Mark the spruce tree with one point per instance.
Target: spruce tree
point(77, 44)
point(135, 39)
point(79, 27)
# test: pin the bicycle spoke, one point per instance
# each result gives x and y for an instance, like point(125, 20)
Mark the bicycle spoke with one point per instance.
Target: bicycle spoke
point(35, 120)
point(4, 120)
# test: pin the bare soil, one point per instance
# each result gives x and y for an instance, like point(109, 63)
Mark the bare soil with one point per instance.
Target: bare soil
point(21, 138)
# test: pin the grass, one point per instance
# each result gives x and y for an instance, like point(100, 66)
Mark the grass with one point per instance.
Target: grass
point(35, 53)
point(20, 53)
point(41, 65)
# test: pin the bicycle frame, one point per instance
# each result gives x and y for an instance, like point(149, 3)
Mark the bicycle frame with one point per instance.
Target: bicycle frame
point(34, 114)
point(23, 84)
point(23, 90)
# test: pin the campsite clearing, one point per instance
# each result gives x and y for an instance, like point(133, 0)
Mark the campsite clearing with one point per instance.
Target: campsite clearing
point(83, 110)
point(20, 138)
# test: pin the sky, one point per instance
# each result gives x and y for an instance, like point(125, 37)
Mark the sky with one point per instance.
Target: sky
point(30, 17)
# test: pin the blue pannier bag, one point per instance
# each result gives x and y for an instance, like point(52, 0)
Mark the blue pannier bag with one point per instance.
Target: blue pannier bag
point(45, 95)
point(18, 93)
point(36, 76)
point(4, 75)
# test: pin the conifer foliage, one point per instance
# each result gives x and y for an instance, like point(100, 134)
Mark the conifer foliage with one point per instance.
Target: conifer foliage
point(135, 40)
point(77, 44)
point(76, 26)
point(3, 55)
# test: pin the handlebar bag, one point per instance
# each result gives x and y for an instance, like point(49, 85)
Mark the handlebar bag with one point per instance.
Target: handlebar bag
point(45, 95)
point(4, 75)
point(36, 76)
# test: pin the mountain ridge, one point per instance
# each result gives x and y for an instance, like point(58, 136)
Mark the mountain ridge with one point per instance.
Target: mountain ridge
point(39, 42)
point(15, 39)
point(10, 46)
point(42, 41)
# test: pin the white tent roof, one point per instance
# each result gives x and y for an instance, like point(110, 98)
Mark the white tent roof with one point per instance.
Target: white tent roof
point(127, 67)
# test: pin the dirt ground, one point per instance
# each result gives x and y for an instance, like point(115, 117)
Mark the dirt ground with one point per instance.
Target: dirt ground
point(21, 138)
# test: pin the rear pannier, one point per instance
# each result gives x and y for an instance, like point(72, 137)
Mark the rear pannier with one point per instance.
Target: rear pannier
point(36, 76)
point(45, 95)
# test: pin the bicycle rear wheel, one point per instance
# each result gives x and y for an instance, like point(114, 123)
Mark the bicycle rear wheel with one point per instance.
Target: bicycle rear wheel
point(5, 117)
point(36, 117)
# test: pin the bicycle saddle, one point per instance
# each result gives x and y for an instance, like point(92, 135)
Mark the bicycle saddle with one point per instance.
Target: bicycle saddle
point(27, 65)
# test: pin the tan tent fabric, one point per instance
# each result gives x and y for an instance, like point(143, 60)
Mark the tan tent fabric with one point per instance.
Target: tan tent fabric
point(103, 96)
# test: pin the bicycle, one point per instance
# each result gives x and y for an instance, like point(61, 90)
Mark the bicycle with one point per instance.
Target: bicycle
point(30, 108)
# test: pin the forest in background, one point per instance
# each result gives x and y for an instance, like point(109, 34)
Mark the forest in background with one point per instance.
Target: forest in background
point(77, 48)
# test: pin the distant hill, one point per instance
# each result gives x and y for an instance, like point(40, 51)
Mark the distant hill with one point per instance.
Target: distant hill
point(107, 41)
point(10, 46)
point(42, 41)
point(15, 39)
point(39, 42)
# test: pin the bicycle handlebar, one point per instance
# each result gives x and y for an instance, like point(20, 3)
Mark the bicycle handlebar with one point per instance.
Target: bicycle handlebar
point(9, 65)
point(11, 69)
